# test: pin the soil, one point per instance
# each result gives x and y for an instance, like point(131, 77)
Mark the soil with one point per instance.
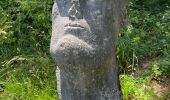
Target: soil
point(162, 87)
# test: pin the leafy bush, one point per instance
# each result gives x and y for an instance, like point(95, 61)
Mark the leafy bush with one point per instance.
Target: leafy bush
point(147, 35)
point(156, 71)
point(25, 27)
point(135, 88)
point(161, 67)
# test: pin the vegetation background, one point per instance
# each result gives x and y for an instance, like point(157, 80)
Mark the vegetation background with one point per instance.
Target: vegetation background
point(27, 71)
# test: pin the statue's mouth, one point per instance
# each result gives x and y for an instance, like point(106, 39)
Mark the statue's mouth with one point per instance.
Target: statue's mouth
point(74, 25)
point(76, 29)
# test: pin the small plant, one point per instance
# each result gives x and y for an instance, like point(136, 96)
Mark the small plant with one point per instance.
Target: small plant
point(156, 71)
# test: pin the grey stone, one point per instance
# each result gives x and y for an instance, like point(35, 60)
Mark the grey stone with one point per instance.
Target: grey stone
point(83, 42)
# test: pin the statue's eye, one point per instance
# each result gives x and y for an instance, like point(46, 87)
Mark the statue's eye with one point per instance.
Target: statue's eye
point(63, 6)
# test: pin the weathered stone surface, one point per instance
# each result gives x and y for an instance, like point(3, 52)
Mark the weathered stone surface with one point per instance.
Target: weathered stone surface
point(84, 35)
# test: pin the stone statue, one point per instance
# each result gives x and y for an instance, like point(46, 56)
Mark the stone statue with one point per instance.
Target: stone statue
point(84, 35)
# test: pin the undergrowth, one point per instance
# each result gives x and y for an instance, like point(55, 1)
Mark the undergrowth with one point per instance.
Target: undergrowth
point(28, 78)
point(134, 88)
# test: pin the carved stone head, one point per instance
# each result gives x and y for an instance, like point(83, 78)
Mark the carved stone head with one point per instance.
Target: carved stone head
point(95, 22)
point(84, 35)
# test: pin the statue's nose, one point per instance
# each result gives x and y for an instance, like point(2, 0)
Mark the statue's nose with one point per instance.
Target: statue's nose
point(74, 11)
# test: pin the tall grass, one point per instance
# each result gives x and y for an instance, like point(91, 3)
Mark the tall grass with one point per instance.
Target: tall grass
point(135, 89)
point(28, 78)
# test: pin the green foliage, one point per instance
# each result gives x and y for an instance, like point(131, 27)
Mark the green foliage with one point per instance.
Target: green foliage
point(161, 67)
point(25, 23)
point(26, 72)
point(147, 36)
point(28, 78)
point(156, 71)
point(127, 45)
point(5, 26)
point(135, 88)
point(148, 32)
point(26, 91)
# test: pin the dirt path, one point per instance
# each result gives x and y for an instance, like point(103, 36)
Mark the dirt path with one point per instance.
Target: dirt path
point(162, 88)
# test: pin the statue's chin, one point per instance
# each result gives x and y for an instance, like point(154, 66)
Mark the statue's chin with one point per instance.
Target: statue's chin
point(70, 47)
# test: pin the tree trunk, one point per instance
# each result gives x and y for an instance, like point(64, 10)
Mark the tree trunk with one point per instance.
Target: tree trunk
point(83, 43)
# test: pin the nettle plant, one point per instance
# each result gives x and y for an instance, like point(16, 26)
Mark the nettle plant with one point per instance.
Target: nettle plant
point(156, 71)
